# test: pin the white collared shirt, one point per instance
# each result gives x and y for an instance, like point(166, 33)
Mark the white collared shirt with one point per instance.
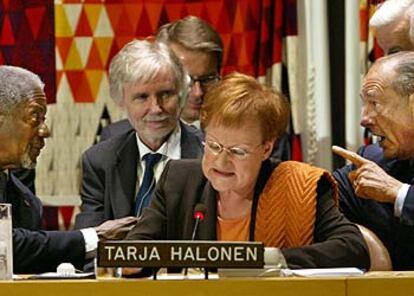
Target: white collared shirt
point(195, 123)
point(171, 149)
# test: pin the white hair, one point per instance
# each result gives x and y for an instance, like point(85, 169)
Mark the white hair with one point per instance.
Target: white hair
point(16, 85)
point(392, 10)
point(140, 61)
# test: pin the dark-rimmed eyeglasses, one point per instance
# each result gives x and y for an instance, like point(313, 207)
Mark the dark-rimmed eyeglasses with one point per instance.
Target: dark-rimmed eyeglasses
point(204, 81)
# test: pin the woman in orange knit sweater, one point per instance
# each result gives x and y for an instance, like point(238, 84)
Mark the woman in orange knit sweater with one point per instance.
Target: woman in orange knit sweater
point(248, 196)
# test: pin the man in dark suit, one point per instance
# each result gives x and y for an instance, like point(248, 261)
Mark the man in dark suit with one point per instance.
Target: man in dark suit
point(149, 83)
point(22, 134)
point(376, 190)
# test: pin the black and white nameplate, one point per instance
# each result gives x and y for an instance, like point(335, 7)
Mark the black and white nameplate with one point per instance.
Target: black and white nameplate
point(181, 254)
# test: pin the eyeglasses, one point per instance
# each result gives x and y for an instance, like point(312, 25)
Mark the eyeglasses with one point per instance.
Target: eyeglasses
point(205, 81)
point(236, 152)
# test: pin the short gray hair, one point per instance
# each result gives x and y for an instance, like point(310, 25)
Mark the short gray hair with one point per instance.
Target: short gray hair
point(140, 61)
point(193, 33)
point(16, 86)
point(392, 10)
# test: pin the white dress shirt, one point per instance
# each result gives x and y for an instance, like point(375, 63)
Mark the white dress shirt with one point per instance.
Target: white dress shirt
point(170, 149)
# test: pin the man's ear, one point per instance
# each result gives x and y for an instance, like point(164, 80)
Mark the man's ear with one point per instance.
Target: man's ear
point(268, 148)
point(411, 104)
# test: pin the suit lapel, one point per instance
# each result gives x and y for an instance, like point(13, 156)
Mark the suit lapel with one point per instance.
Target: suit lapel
point(122, 180)
point(26, 207)
point(190, 142)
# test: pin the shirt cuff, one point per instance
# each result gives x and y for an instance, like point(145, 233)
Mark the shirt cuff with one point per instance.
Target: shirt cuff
point(91, 242)
point(399, 201)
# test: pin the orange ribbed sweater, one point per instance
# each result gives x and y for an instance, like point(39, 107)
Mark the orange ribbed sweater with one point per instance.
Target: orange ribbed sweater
point(286, 211)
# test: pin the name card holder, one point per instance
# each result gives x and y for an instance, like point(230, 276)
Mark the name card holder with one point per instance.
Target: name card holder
point(180, 254)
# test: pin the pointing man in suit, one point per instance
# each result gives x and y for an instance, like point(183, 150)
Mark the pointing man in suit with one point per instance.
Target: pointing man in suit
point(383, 204)
point(22, 136)
point(119, 174)
point(376, 190)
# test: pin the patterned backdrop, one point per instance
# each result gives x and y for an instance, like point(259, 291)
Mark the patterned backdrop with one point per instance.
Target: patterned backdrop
point(70, 44)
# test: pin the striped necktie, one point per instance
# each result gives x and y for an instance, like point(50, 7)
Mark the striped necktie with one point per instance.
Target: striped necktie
point(144, 194)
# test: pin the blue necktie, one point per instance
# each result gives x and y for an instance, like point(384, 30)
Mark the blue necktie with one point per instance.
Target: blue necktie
point(144, 194)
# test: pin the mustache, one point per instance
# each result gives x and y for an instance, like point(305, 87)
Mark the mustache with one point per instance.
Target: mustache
point(157, 117)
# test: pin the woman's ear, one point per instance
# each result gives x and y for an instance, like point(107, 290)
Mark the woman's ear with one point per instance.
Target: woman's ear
point(268, 148)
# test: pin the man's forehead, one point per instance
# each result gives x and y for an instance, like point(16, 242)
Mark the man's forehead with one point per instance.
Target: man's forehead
point(37, 98)
point(187, 55)
point(379, 78)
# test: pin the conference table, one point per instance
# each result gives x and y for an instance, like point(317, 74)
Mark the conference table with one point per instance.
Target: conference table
point(372, 283)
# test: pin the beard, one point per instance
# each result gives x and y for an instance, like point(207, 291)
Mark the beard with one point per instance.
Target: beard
point(26, 162)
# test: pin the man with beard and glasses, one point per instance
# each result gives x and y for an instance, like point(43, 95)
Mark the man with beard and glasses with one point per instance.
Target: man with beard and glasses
point(376, 190)
point(147, 80)
point(22, 136)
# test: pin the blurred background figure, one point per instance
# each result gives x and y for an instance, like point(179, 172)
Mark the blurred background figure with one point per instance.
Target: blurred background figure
point(393, 24)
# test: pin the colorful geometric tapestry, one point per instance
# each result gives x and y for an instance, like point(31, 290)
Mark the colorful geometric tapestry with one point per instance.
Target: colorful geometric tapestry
point(27, 38)
point(88, 33)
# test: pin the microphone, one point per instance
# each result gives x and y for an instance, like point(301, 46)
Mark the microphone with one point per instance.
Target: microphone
point(199, 211)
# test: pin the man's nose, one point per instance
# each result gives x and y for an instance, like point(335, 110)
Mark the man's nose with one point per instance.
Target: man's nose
point(366, 118)
point(197, 90)
point(44, 131)
point(156, 104)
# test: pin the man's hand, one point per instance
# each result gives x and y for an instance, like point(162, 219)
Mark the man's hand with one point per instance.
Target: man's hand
point(369, 180)
point(115, 229)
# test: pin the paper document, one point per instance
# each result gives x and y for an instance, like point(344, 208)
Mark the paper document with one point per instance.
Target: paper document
point(323, 272)
point(55, 275)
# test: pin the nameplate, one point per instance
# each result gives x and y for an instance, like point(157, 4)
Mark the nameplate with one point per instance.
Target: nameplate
point(180, 254)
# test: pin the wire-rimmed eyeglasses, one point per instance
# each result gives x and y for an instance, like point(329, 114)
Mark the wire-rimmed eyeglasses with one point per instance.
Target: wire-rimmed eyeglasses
point(236, 152)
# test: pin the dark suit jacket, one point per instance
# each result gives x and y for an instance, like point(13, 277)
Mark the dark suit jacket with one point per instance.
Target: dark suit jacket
point(26, 176)
point(337, 242)
point(34, 250)
point(396, 234)
point(110, 174)
point(114, 129)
